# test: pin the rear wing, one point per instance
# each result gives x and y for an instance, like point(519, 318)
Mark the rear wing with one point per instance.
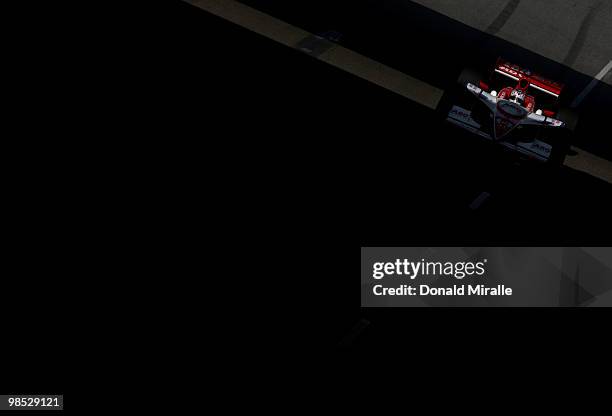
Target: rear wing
point(535, 81)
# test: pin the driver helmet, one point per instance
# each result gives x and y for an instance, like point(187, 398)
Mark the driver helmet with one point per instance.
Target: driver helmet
point(517, 96)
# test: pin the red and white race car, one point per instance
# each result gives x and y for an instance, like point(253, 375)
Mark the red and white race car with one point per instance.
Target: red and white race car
point(514, 107)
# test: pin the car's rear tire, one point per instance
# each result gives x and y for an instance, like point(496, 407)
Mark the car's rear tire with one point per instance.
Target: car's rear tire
point(564, 137)
point(561, 141)
point(569, 117)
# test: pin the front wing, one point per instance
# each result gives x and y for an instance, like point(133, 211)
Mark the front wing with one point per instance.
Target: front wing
point(535, 149)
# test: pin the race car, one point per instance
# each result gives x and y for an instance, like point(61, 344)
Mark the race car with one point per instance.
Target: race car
point(515, 108)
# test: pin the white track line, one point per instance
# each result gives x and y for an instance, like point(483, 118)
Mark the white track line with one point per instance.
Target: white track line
point(592, 85)
point(590, 163)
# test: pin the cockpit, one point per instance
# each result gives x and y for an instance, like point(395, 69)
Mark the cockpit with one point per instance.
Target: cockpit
point(517, 96)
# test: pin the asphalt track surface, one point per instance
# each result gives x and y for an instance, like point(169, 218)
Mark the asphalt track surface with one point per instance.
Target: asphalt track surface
point(576, 34)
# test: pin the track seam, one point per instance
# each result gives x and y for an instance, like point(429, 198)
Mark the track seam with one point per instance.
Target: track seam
point(581, 36)
point(503, 17)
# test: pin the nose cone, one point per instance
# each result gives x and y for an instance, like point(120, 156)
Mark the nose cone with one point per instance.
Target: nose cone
point(507, 117)
point(503, 126)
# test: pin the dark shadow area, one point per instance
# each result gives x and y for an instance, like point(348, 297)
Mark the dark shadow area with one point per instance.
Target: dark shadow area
point(341, 163)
